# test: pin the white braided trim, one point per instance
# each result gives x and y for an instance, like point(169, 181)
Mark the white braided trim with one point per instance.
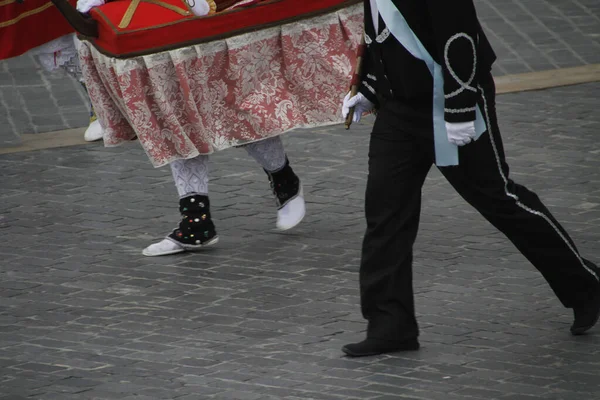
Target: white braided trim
point(459, 110)
point(368, 87)
point(383, 36)
point(516, 198)
point(463, 85)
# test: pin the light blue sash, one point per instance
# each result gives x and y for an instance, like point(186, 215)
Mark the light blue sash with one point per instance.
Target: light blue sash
point(446, 153)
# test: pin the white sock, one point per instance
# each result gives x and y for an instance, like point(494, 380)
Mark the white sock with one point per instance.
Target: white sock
point(191, 176)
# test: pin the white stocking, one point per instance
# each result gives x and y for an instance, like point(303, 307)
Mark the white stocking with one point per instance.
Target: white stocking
point(269, 153)
point(191, 176)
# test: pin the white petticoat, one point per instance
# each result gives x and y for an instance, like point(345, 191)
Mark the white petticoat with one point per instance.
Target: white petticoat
point(57, 53)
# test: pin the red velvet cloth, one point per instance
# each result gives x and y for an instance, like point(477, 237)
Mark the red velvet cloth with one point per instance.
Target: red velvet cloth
point(155, 28)
point(28, 25)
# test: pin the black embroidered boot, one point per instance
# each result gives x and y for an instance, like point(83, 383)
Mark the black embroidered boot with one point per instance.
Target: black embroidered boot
point(196, 229)
point(287, 189)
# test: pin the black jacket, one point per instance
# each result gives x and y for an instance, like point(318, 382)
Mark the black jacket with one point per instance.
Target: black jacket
point(450, 31)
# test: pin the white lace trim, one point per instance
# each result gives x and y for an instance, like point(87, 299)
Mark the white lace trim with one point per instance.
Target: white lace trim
point(56, 53)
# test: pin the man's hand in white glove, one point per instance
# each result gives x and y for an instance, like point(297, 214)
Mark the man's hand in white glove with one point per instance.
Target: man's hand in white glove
point(460, 133)
point(360, 103)
point(84, 6)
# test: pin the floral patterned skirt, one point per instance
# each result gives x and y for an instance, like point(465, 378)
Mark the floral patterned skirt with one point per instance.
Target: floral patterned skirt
point(228, 92)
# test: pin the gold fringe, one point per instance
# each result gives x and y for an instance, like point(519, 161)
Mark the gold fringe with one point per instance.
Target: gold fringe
point(26, 14)
point(213, 7)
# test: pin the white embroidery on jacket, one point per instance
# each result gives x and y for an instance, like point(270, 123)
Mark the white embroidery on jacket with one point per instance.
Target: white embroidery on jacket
point(383, 35)
point(366, 84)
point(463, 85)
point(458, 110)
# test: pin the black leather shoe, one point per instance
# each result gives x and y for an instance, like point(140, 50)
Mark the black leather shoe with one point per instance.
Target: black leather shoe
point(372, 347)
point(586, 316)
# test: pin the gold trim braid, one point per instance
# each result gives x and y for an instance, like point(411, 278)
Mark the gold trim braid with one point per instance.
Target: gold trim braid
point(26, 14)
point(128, 16)
point(213, 6)
point(168, 6)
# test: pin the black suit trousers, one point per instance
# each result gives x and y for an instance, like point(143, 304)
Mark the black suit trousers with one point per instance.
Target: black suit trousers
point(399, 161)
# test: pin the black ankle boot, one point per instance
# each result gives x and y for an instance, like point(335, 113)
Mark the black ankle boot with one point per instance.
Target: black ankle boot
point(196, 228)
point(285, 184)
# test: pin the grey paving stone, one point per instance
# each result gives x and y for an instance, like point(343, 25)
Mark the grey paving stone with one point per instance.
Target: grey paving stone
point(263, 315)
point(527, 36)
point(96, 317)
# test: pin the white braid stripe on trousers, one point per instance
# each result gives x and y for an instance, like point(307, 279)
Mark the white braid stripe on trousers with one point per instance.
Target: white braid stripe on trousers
point(516, 198)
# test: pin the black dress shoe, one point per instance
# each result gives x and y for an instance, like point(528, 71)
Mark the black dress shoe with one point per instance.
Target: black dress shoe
point(586, 316)
point(372, 347)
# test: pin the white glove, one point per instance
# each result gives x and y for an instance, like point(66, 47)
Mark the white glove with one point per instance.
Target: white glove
point(460, 133)
point(84, 6)
point(199, 7)
point(360, 103)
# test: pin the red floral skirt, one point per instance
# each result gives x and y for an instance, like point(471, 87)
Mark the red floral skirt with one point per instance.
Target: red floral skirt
point(228, 91)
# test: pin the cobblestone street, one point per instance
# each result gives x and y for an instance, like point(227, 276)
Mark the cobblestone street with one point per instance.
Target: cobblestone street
point(527, 36)
point(263, 315)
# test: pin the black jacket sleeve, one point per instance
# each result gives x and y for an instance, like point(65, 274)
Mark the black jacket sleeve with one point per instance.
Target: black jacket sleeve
point(455, 30)
point(368, 84)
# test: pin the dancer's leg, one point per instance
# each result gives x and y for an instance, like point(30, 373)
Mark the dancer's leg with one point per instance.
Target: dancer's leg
point(286, 185)
point(196, 229)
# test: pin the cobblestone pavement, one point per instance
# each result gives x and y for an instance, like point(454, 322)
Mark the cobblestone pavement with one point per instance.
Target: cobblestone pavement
point(263, 315)
point(527, 36)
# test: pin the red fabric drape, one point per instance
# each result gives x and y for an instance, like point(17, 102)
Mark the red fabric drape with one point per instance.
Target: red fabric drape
point(28, 25)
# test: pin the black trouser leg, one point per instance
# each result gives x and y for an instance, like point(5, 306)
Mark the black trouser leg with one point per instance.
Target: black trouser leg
point(482, 180)
point(398, 165)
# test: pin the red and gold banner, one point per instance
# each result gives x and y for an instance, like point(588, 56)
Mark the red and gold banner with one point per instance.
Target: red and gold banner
point(24, 26)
